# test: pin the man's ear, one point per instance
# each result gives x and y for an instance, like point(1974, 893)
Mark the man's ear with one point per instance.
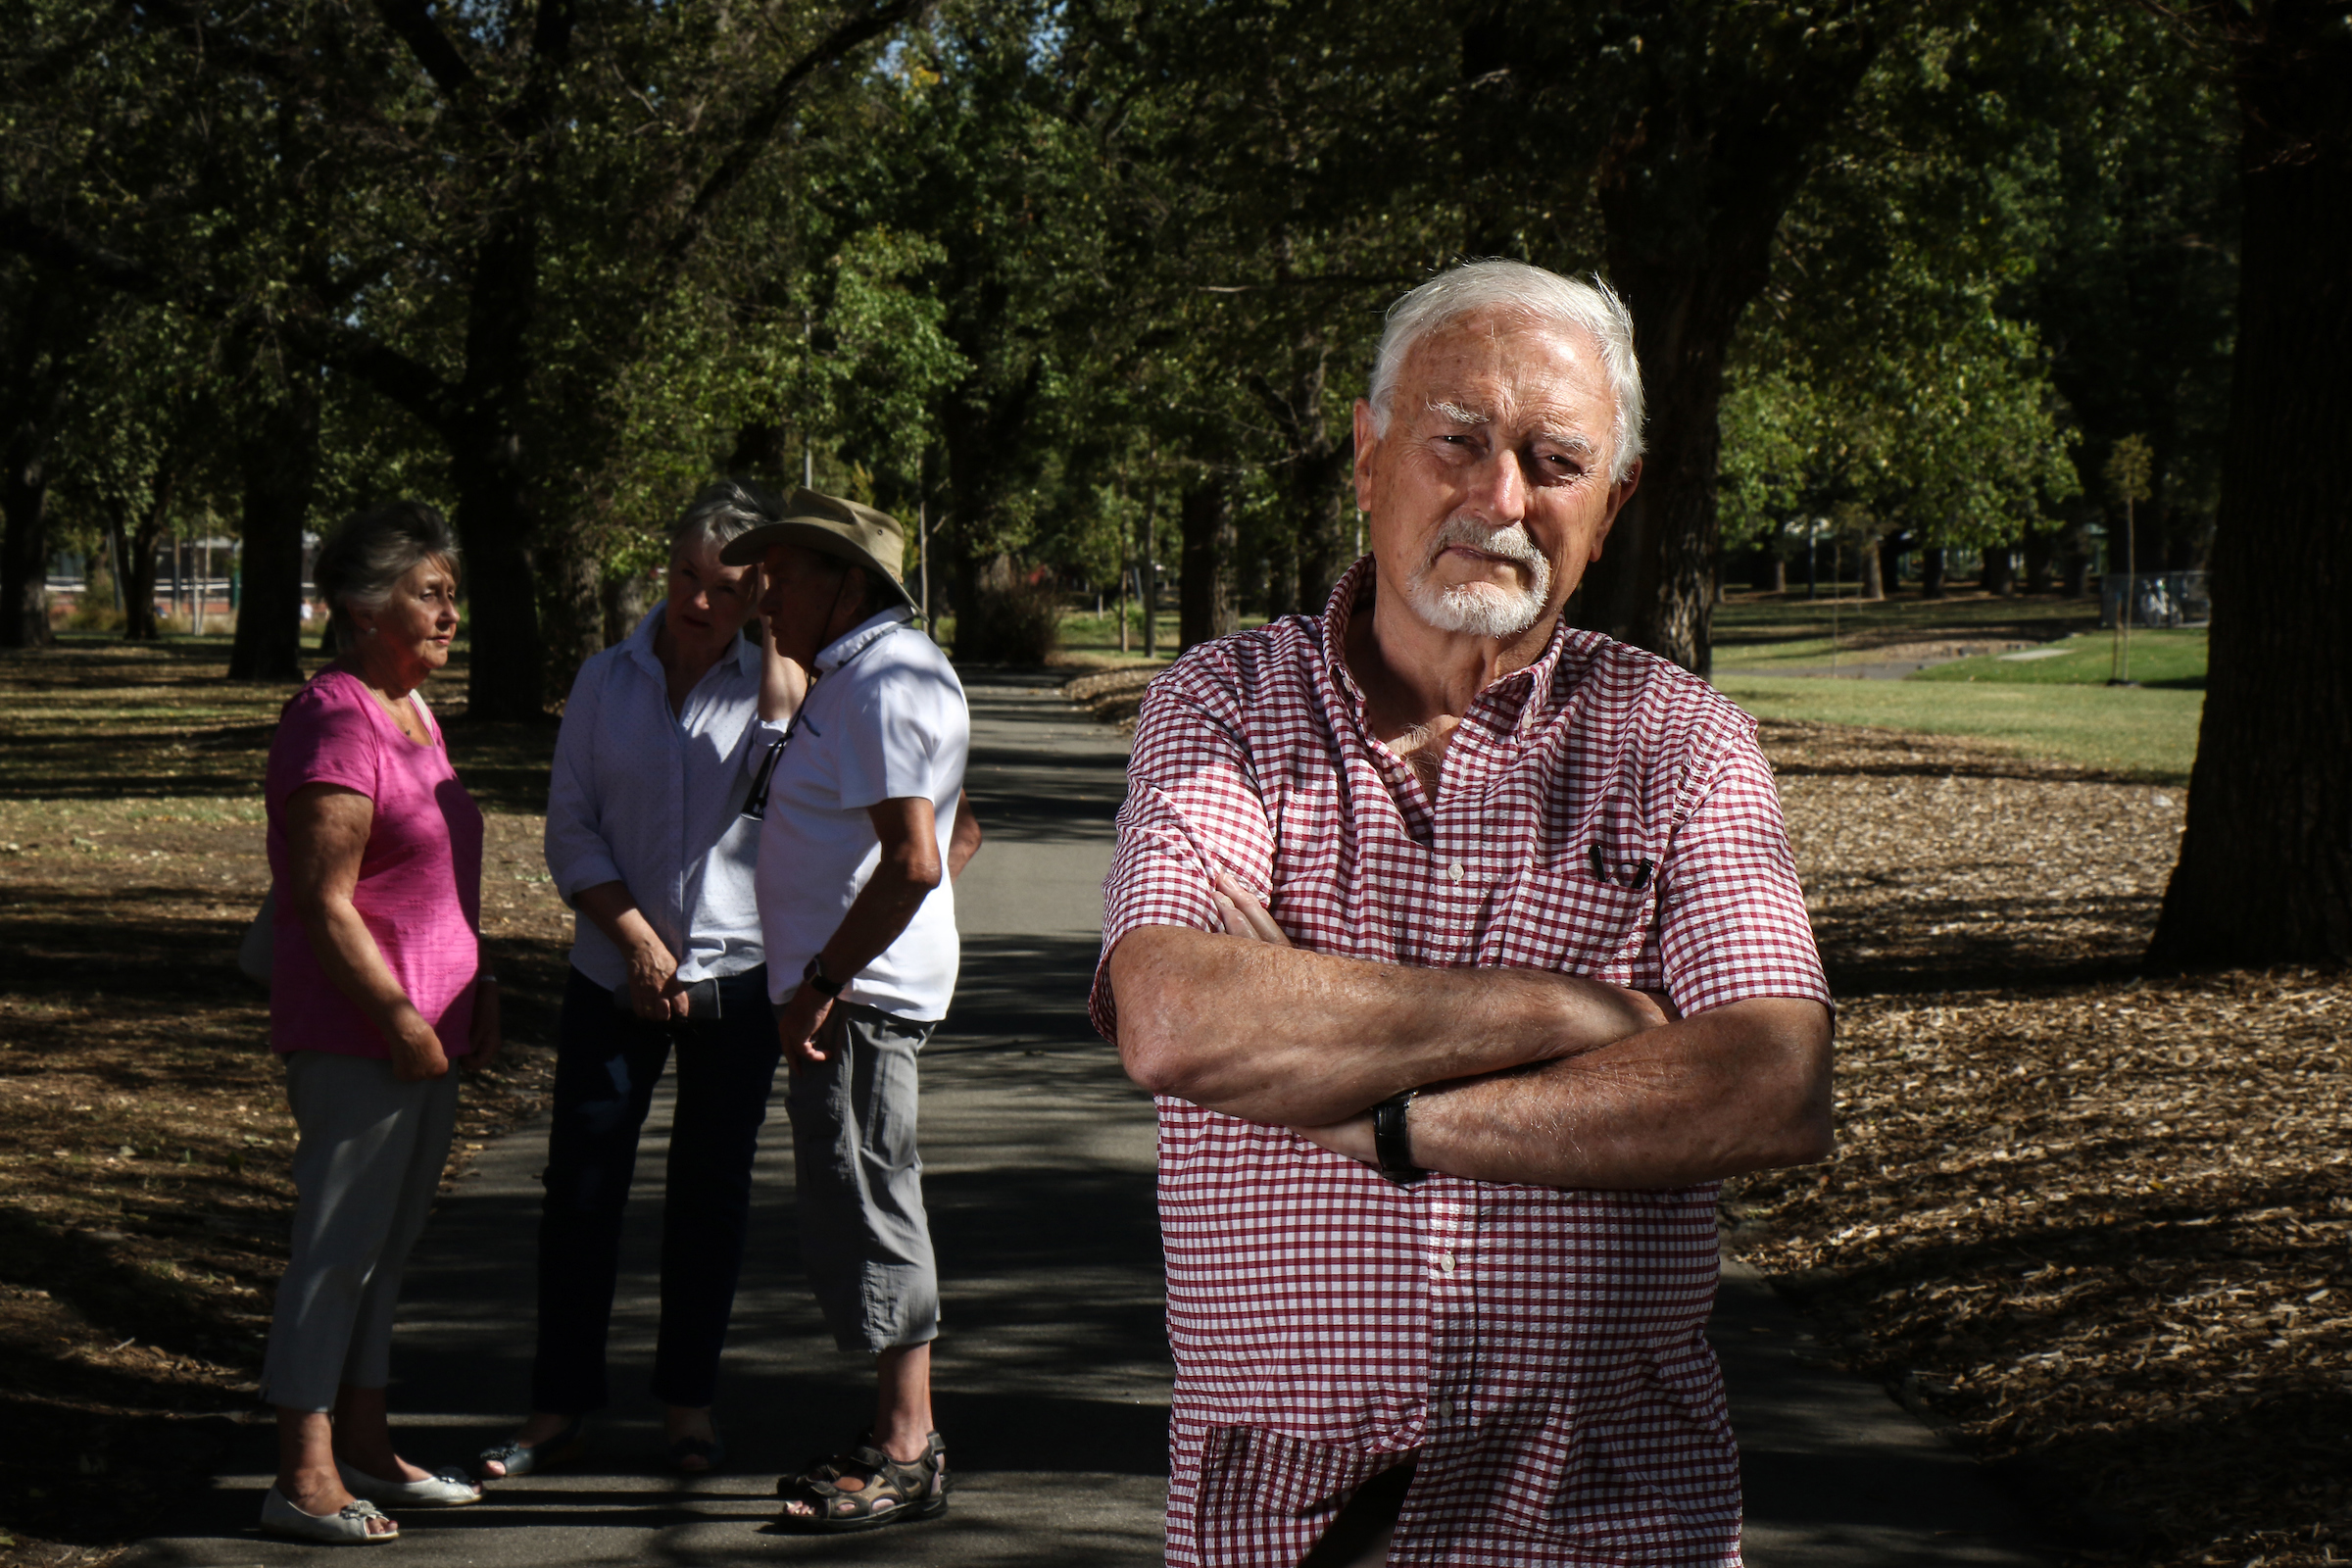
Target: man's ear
point(1619, 494)
point(1366, 442)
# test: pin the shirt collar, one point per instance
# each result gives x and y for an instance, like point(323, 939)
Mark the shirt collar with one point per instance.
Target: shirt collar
point(1356, 592)
point(640, 644)
point(858, 638)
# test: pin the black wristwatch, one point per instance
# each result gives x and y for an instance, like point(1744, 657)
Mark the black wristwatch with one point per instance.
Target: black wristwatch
point(815, 975)
point(1393, 1138)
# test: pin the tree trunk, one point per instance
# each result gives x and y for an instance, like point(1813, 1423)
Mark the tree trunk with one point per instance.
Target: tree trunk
point(25, 555)
point(1147, 574)
point(1780, 575)
point(1891, 565)
point(1205, 587)
point(280, 459)
point(509, 674)
point(1999, 575)
point(136, 547)
point(2041, 549)
point(1931, 571)
point(47, 332)
point(2266, 865)
point(1726, 110)
point(1873, 585)
point(574, 624)
point(627, 598)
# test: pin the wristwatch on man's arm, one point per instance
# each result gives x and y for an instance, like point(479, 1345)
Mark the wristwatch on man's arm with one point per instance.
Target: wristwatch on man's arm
point(1393, 1138)
point(814, 976)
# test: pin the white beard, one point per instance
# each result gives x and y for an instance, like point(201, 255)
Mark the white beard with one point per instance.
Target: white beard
point(1480, 608)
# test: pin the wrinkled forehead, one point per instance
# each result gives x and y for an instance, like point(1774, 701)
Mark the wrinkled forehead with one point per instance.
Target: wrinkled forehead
point(1494, 364)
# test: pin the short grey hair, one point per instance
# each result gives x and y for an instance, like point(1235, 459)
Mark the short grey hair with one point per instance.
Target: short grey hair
point(1539, 297)
point(724, 511)
point(369, 554)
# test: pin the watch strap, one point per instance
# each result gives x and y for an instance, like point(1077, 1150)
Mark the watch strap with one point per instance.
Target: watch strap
point(1393, 1140)
point(815, 975)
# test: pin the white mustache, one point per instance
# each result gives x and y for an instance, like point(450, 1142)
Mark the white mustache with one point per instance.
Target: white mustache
point(1511, 541)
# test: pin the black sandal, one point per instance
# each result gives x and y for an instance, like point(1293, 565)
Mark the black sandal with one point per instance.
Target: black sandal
point(888, 1491)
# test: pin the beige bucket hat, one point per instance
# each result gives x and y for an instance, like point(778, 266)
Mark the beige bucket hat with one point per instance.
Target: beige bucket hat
point(830, 525)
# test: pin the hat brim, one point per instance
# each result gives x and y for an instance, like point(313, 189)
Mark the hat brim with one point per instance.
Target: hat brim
point(751, 549)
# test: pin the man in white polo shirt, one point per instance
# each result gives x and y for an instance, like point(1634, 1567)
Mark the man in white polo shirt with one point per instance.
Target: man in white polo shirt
point(862, 837)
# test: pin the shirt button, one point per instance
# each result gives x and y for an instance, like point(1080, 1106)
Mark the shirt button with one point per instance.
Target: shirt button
point(1443, 1409)
point(1444, 1262)
point(1453, 872)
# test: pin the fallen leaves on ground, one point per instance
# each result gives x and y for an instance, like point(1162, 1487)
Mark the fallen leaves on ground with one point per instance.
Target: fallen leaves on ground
point(2097, 1222)
point(145, 1137)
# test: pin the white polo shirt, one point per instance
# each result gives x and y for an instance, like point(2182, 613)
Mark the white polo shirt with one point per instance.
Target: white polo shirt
point(885, 720)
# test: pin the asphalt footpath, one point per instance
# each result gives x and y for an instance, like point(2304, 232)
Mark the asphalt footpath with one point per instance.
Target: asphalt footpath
point(1052, 1370)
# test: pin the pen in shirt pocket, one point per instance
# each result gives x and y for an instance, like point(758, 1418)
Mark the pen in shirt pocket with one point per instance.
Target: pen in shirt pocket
point(1634, 874)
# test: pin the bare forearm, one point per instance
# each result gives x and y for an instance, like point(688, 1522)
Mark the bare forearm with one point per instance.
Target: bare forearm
point(1280, 1035)
point(1743, 1088)
point(353, 963)
point(963, 840)
point(609, 906)
point(876, 916)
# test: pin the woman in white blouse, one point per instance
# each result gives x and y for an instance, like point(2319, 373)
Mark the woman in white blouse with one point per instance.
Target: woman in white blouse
point(663, 739)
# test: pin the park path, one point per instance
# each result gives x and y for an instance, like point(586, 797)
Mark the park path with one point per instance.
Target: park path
point(1052, 1370)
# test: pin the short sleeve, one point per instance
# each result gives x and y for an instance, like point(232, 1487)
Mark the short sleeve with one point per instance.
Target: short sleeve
point(325, 737)
point(896, 742)
point(1731, 924)
point(1192, 805)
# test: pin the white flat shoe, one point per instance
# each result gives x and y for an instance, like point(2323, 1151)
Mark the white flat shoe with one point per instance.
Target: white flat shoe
point(443, 1489)
point(346, 1527)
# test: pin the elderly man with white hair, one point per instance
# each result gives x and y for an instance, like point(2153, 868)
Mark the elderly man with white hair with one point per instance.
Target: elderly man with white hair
point(1465, 955)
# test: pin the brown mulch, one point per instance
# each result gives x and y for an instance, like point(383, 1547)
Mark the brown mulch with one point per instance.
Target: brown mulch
point(144, 1139)
point(2096, 1225)
point(1114, 695)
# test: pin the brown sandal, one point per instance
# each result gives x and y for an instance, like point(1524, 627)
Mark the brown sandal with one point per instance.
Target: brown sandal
point(880, 1491)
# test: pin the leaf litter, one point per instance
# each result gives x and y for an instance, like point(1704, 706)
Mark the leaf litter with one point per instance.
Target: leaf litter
point(2092, 1221)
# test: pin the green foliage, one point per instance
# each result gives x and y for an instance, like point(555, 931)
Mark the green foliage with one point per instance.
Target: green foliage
point(1032, 273)
point(2127, 467)
point(1887, 366)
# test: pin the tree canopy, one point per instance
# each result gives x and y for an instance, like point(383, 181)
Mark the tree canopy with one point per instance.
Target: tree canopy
point(1055, 279)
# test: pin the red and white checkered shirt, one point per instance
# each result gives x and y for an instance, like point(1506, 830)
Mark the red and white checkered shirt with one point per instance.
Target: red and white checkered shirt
point(1541, 1351)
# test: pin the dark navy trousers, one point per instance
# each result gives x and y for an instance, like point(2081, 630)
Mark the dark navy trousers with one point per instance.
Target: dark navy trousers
point(607, 1064)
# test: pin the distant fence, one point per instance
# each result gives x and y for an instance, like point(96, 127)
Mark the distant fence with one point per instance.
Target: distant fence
point(2156, 598)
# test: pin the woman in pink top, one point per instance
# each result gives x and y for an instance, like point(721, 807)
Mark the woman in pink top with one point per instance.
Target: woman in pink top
point(377, 986)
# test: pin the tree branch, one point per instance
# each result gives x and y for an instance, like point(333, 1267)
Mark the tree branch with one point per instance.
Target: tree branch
point(758, 130)
point(431, 46)
point(411, 384)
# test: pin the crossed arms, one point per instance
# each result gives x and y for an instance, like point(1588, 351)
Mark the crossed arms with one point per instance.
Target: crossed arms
point(1526, 1075)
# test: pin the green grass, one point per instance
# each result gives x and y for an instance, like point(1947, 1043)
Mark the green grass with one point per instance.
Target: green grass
point(1760, 632)
point(2149, 734)
point(2168, 659)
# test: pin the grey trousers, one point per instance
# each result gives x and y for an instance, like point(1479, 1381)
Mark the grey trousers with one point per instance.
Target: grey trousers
point(864, 1238)
point(365, 1171)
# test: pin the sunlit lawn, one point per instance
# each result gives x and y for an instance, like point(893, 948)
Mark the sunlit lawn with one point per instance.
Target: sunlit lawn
point(2142, 733)
point(2170, 658)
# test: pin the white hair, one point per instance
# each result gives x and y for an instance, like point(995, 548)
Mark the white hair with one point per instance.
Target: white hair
point(1541, 298)
point(724, 511)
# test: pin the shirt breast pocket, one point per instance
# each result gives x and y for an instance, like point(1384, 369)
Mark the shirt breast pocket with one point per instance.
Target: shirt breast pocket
point(1591, 913)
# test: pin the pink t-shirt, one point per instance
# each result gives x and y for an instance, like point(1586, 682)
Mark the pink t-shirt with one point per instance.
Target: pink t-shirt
point(420, 889)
